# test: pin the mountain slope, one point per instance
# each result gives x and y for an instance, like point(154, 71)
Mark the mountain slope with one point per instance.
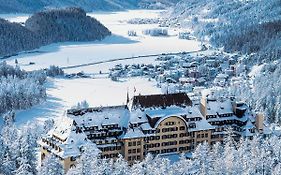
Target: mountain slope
point(246, 26)
point(31, 6)
point(15, 38)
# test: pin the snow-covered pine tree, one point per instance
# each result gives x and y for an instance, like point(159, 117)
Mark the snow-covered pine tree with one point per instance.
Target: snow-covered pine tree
point(120, 166)
point(87, 162)
point(9, 118)
point(27, 152)
point(202, 160)
point(24, 168)
point(51, 166)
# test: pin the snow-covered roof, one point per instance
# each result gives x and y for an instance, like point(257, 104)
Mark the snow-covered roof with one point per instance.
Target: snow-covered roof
point(165, 112)
point(201, 125)
point(63, 128)
point(145, 126)
point(67, 137)
point(137, 116)
point(219, 107)
point(249, 125)
point(133, 133)
point(103, 116)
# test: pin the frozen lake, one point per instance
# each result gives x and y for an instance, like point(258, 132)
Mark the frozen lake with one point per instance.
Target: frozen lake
point(118, 45)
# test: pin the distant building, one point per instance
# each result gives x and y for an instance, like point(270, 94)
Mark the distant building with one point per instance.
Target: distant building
point(156, 124)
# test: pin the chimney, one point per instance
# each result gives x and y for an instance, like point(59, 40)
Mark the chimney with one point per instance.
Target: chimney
point(203, 106)
point(259, 121)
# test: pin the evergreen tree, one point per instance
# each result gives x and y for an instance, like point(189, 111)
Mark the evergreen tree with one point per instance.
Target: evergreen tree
point(51, 166)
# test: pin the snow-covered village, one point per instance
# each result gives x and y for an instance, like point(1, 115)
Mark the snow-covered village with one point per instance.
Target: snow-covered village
point(133, 87)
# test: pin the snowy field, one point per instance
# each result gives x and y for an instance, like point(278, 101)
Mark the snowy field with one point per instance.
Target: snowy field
point(65, 93)
point(118, 45)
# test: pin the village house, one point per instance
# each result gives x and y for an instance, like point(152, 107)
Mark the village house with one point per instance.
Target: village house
point(156, 124)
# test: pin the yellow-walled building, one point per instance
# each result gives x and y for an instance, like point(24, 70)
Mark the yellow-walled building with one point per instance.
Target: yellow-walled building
point(156, 124)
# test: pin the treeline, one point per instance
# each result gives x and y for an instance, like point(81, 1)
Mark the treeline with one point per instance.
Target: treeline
point(237, 26)
point(20, 89)
point(252, 157)
point(58, 25)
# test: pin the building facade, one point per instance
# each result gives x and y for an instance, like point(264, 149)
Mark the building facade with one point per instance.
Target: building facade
point(156, 124)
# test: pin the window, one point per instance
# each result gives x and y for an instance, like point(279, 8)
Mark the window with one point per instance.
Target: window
point(130, 144)
point(138, 150)
point(139, 143)
point(72, 158)
point(182, 128)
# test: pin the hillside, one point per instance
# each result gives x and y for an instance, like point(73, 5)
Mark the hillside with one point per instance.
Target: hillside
point(31, 6)
point(70, 24)
point(15, 38)
point(234, 25)
point(157, 4)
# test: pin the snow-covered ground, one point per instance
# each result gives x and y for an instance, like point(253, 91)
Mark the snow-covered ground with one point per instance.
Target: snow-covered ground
point(65, 93)
point(118, 45)
point(19, 18)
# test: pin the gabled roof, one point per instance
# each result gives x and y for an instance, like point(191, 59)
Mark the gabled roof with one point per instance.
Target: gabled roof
point(161, 100)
